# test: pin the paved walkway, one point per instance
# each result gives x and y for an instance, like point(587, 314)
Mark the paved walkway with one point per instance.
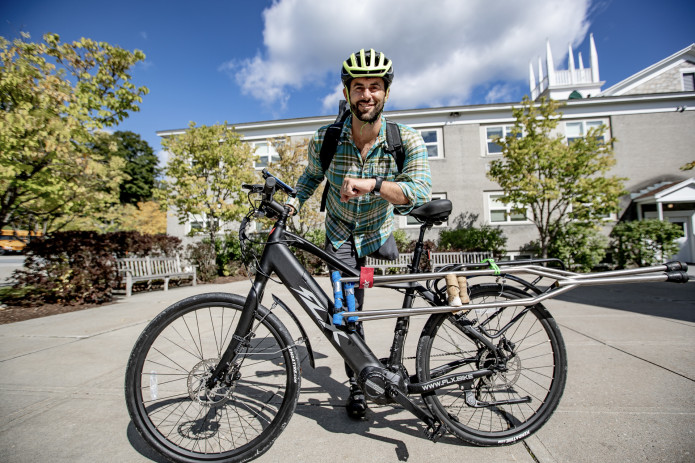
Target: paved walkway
point(630, 394)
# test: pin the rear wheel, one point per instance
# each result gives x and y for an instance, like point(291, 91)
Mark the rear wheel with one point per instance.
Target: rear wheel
point(168, 368)
point(529, 363)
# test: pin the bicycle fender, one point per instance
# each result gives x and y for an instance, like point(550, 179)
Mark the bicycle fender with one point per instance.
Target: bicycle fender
point(305, 338)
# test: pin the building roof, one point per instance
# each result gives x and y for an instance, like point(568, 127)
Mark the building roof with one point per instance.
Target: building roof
point(624, 86)
point(671, 192)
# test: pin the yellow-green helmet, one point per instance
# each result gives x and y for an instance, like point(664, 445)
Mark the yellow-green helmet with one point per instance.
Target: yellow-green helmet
point(367, 63)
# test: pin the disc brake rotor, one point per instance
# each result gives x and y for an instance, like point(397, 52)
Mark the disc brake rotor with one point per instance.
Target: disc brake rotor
point(500, 378)
point(198, 377)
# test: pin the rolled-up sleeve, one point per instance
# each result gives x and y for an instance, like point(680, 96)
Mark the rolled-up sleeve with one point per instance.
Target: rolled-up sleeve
point(313, 173)
point(415, 180)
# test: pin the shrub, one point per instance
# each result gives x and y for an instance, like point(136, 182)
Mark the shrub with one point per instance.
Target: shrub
point(69, 267)
point(469, 238)
point(643, 243)
point(202, 255)
point(580, 246)
point(77, 267)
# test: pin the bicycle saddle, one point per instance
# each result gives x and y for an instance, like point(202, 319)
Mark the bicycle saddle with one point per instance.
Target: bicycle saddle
point(436, 211)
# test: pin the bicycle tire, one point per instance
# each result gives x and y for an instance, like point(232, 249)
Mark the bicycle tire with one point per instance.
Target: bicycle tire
point(537, 369)
point(169, 363)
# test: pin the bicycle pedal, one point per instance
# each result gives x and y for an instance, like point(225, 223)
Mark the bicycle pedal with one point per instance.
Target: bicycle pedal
point(435, 432)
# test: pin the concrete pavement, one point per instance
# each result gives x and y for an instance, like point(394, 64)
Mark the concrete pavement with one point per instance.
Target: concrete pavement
point(630, 394)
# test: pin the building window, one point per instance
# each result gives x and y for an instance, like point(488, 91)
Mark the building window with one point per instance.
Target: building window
point(504, 213)
point(492, 133)
point(266, 153)
point(411, 222)
point(433, 142)
point(575, 130)
point(689, 81)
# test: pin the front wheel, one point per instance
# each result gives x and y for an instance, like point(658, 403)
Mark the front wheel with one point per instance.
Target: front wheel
point(528, 361)
point(236, 420)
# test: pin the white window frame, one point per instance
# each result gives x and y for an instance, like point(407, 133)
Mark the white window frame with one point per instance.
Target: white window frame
point(492, 204)
point(585, 125)
point(415, 224)
point(438, 144)
point(685, 71)
point(270, 156)
point(199, 219)
point(505, 128)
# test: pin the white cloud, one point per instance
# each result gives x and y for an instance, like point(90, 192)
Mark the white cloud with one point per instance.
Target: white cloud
point(441, 49)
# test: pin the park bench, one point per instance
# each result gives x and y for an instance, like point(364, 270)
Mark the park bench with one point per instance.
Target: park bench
point(150, 269)
point(402, 262)
point(440, 259)
point(437, 260)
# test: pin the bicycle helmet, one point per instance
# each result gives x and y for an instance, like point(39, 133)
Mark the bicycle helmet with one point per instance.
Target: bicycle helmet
point(367, 63)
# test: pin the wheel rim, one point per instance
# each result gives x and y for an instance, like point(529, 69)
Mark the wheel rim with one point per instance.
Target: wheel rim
point(186, 418)
point(533, 370)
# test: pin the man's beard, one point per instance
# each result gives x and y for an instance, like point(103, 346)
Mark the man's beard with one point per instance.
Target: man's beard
point(370, 116)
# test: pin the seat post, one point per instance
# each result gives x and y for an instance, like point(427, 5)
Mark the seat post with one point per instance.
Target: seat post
point(419, 247)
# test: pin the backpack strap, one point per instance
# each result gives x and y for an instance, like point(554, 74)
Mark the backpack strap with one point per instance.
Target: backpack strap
point(394, 146)
point(328, 148)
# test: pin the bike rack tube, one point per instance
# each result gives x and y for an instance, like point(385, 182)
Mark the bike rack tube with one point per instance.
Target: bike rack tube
point(564, 282)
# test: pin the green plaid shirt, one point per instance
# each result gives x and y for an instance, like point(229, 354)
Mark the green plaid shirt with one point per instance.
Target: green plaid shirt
point(369, 218)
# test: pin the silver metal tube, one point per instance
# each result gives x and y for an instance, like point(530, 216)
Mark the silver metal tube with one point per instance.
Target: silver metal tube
point(613, 280)
point(618, 273)
point(367, 315)
point(410, 277)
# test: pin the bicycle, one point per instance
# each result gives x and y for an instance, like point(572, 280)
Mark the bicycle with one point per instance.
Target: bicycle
point(216, 377)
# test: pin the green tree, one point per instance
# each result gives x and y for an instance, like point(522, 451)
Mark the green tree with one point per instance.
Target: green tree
point(203, 177)
point(557, 181)
point(54, 99)
point(140, 164)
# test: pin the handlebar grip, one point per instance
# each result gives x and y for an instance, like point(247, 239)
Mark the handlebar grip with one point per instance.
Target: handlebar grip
point(677, 277)
point(675, 265)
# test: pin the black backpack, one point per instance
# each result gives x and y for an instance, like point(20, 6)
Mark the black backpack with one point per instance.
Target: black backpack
point(394, 145)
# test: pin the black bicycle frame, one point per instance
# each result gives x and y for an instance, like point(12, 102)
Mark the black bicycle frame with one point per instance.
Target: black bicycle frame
point(277, 258)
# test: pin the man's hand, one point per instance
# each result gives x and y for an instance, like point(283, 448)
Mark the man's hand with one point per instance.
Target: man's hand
point(355, 187)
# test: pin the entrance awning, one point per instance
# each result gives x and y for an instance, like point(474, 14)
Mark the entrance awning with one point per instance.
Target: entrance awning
point(666, 196)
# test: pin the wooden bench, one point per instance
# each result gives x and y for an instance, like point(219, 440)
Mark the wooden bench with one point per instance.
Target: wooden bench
point(437, 260)
point(440, 259)
point(153, 268)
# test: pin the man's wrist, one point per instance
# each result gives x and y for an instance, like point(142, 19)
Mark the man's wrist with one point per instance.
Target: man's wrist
point(376, 191)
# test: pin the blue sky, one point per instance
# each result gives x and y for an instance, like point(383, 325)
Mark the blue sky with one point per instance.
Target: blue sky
point(244, 61)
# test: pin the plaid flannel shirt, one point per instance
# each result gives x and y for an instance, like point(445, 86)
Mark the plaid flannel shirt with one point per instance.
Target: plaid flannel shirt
point(369, 218)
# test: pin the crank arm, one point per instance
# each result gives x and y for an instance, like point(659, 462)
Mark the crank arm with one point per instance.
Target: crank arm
point(434, 430)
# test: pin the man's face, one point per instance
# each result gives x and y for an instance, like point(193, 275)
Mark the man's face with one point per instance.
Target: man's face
point(367, 98)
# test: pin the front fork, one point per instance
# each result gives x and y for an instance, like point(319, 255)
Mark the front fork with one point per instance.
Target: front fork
point(240, 339)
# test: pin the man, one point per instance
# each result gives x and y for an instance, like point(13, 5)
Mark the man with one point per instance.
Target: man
point(364, 181)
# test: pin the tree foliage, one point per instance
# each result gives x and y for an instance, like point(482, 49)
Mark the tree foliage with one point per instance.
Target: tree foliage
point(54, 99)
point(203, 177)
point(556, 180)
point(140, 166)
point(293, 159)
